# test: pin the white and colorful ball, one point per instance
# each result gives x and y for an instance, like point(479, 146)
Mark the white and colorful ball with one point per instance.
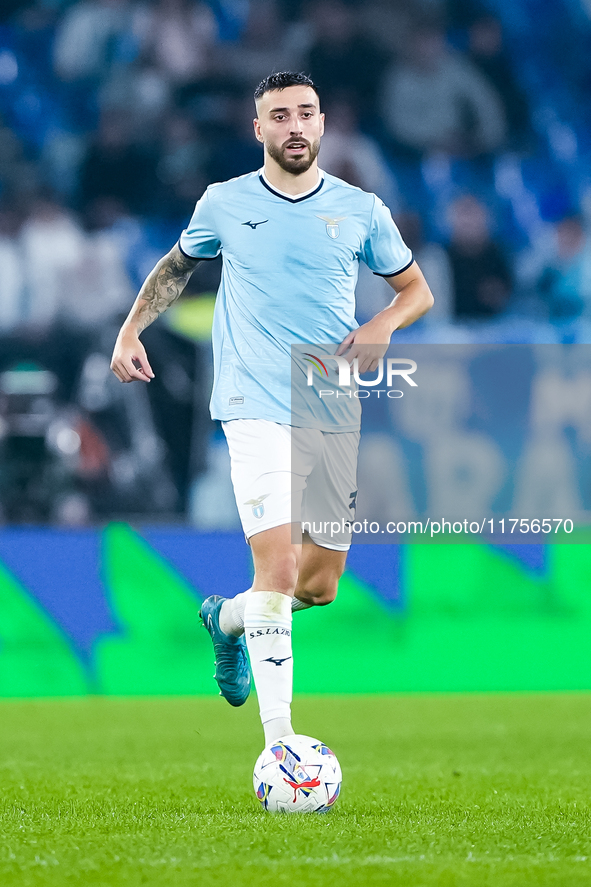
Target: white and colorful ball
point(297, 774)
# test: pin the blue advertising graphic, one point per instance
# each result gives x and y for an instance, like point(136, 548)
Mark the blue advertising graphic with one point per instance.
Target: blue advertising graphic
point(116, 611)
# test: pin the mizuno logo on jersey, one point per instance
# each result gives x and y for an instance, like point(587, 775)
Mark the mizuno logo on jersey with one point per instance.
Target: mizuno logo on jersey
point(254, 225)
point(332, 225)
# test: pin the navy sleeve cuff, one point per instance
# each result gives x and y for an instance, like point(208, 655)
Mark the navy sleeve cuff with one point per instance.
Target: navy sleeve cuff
point(394, 273)
point(197, 258)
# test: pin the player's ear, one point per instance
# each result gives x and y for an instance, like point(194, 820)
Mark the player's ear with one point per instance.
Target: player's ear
point(257, 129)
point(322, 124)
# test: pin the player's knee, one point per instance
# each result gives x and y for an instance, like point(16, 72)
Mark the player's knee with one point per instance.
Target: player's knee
point(326, 595)
point(320, 588)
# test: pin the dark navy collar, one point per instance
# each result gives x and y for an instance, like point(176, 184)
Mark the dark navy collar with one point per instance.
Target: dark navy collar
point(284, 196)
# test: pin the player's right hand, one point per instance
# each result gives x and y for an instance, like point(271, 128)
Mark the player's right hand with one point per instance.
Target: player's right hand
point(130, 361)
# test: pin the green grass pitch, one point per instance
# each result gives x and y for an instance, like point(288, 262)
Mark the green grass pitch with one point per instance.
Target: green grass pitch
point(439, 790)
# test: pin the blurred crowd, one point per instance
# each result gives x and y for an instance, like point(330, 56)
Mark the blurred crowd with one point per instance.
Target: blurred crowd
point(468, 118)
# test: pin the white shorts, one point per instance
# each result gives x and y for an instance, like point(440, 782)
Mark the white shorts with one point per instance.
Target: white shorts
point(284, 475)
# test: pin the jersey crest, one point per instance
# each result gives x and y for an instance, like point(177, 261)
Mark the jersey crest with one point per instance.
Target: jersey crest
point(332, 225)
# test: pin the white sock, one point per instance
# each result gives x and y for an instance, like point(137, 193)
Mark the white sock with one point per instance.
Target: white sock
point(232, 614)
point(276, 728)
point(297, 604)
point(267, 629)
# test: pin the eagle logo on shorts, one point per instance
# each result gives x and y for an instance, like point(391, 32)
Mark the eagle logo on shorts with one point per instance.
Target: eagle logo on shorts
point(332, 225)
point(258, 509)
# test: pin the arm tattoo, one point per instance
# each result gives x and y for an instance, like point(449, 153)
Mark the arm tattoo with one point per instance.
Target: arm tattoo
point(163, 286)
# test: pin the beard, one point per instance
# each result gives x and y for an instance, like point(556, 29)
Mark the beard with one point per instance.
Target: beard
point(294, 165)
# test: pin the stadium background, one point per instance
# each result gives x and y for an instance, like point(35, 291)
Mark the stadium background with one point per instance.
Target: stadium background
point(470, 119)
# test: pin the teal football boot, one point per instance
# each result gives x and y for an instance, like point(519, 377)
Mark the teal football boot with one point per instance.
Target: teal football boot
point(232, 671)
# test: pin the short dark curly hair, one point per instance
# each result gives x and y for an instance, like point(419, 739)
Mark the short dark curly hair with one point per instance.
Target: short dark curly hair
point(281, 80)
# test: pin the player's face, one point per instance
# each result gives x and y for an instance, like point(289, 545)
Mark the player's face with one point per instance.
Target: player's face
point(290, 126)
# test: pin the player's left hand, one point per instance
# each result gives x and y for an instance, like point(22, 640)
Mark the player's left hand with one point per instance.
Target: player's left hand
point(368, 344)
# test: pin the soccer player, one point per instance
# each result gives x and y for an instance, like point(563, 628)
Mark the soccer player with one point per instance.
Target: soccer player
point(291, 238)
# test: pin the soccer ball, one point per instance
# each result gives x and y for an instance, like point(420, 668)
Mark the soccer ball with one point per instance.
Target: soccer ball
point(297, 774)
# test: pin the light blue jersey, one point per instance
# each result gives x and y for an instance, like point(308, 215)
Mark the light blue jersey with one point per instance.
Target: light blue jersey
point(290, 267)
